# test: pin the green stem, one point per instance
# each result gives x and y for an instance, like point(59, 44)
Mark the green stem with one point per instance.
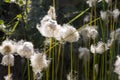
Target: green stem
point(53, 64)
point(25, 68)
point(54, 3)
point(94, 61)
point(86, 71)
point(50, 47)
point(62, 63)
point(8, 70)
point(28, 63)
point(57, 65)
point(115, 4)
point(71, 61)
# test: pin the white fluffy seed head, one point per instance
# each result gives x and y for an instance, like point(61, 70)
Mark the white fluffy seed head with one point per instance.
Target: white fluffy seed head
point(84, 54)
point(91, 3)
point(8, 59)
point(117, 65)
point(70, 34)
point(47, 27)
point(72, 76)
point(108, 1)
point(7, 47)
point(84, 33)
point(93, 48)
point(100, 48)
point(58, 33)
point(47, 41)
point(117, 62)
point(119, 77)
point(117, 70)
point(89, 32)
point(25, 50)
point(86, 18)
point(48, 23)
point(8, 77)
point(112, 35)
point(110, 42)
point(103, 15)
point(51, 12)
point(115, 35)
point(39, 62)
point(93, 33)
point(116, 13)
point(118, 34)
